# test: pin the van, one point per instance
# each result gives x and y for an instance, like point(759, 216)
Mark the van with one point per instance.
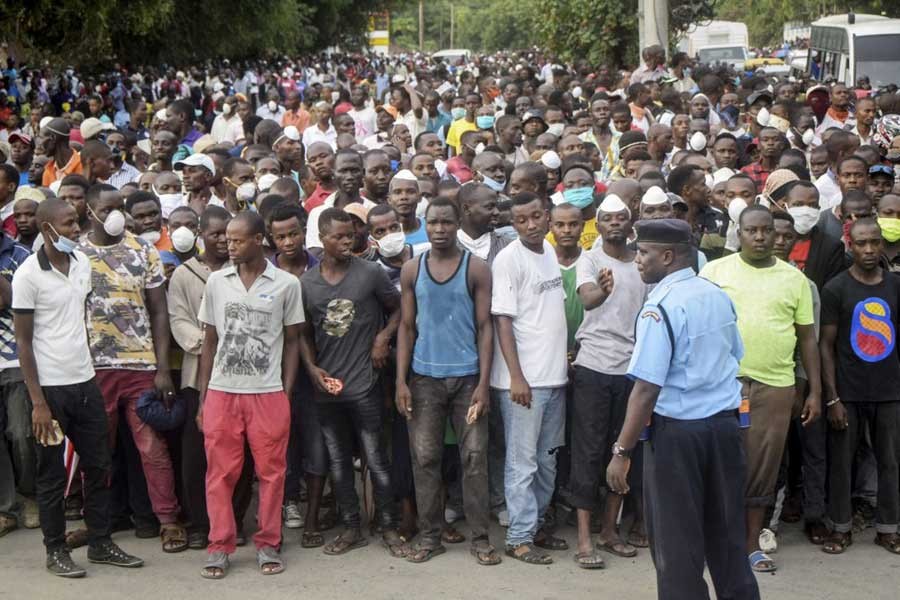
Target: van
point(848, 46)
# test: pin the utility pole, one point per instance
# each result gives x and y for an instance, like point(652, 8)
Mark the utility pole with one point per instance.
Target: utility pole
point(421, 26)
point(653, 24)
point(452, 24)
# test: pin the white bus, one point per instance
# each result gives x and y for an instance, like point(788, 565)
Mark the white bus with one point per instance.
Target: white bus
point(847, 47)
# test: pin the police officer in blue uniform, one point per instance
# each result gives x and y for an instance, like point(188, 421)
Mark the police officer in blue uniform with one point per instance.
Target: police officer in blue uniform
point(685, 365)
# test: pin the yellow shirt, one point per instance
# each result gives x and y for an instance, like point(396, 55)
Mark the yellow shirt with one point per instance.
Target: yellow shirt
point(457, 128)
point(589, 235)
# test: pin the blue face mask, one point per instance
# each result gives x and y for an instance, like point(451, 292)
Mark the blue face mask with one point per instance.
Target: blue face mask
point(395, 164)
point(579, 197)
point(63, 244)
point(495, 185)
point(457, 113)
point(484, 121)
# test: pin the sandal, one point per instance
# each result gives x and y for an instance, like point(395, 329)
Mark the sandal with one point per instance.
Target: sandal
point(450, 535)
point(638, 539)
point(174, 538)
point(545, 540)
point(77, 538)
point(589, 560)
point(269, 561)
point(837, 542)
point(816, 532)
point(527, 553)
point(395, 544)
point(760, 562)
point(216, 566)
point(618, 548)
point(312, 539)
point(197, 540)
point(422, 552)
point(485, 554)
point(7, 523)
point(347, 540)
point(888, 541)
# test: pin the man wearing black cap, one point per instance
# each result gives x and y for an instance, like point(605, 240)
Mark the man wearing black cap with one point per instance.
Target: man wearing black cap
point(684, 367)
point(533, 125)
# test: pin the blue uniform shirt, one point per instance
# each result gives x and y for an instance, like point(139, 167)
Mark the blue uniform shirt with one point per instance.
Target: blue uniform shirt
point(699, 378)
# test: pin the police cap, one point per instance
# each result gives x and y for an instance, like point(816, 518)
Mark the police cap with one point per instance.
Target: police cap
point(663, 231)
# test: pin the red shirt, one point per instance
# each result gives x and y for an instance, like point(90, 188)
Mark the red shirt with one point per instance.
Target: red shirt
point(459, 169)
point(758, 174)
point(800, 253)
point(317, 198)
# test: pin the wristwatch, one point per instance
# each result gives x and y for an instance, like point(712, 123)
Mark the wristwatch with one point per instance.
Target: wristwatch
point(619, 450)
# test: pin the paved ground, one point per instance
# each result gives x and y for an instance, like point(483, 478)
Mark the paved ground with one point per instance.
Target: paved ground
point(864, 572)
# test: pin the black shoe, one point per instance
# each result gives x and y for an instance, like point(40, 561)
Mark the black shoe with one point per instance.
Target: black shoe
point(146, 531)
point(107, 553)
point(60, 563)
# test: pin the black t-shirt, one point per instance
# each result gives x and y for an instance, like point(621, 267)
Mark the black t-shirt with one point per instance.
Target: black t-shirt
point(866, 317)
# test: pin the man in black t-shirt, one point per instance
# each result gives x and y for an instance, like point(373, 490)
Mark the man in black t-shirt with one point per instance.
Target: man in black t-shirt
point(861, 376)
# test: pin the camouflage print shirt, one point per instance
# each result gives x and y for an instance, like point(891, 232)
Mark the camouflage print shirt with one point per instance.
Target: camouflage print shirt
point(118, 321)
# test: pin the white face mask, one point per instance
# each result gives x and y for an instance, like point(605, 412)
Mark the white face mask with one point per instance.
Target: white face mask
point(273, 106)
point(226, 109)
point(183, 239)
point(709, 180)
point(805, 218)
point(698, 142)
point(735, 208)
point(246, 191)
point(114, 224)
point(150, 236)
point(556, 129)
point(169, 202)
point(392, 244)
point(808, 136)
point(763, 116)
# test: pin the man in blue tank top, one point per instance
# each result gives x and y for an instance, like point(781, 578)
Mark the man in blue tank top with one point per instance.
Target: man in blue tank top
point(446, 337)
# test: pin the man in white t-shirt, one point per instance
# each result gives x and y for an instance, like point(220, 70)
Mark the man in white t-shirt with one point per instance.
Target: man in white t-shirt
point(363, 116)
point(529, 375)
point(252, 312)
point(49, 292)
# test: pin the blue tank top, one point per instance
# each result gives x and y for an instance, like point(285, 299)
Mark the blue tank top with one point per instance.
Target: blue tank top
point(446, 342)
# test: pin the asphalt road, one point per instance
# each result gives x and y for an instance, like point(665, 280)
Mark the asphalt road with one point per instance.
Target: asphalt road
point(865, 572)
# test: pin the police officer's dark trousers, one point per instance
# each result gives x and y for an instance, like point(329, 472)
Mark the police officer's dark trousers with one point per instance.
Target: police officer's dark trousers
point(694, 473)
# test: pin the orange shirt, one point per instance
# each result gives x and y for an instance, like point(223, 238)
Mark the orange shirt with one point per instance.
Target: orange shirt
point(299, 119)
point(53, 173)
point(164, 243)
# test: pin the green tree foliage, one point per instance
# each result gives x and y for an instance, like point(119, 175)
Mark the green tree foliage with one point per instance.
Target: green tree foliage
point(765, 19)
point(595, 30)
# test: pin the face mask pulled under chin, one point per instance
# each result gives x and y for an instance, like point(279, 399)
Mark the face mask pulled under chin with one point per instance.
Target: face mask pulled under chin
point(392, 244)
point(495, 185)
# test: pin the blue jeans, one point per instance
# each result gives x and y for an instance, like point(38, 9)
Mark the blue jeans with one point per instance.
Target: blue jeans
point(532, 435)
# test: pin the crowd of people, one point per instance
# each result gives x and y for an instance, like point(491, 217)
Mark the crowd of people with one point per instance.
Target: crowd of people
point(443, 283)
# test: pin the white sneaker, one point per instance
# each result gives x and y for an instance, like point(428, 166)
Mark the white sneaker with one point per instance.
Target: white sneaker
point(293, 518)
point(767, 541)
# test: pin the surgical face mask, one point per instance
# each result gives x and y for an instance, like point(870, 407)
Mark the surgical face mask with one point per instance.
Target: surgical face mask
point(484, 121)
point(457, 113)
point(890, 229)
point(150, 237)
point(697, 141)
point(392, 244)
point(687, 71)
point(805, 218)
point(495, 185)
point(556, 129)
point(808, 136)
point(62, 243)
point(226, 109)
point(246, 191)
point(395, 165)
point(709, 181)
point(579, 197)
point(735, 208)
point(273, 106)
point(114, 224)
point(763, 116)
point(183, 239)
point(169, 202)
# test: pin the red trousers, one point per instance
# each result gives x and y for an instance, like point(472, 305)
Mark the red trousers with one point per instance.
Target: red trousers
point(265, 421)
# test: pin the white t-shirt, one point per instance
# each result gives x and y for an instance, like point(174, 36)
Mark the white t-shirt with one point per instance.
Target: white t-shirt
point(606, 334)
point(830, 193)
point(250, 324)
point(312, 224)
point(528, 287)
point(365, 122)
point(313, 134)
point(415, 126)
point(57, 301)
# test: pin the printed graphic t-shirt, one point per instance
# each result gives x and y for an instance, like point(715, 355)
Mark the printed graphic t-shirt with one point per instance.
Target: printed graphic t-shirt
point(866, 317)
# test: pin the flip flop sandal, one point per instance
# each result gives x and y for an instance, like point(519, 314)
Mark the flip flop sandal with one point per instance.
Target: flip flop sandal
point(816, 533)
point(486, 555)
point(589, 560)
point(216, 560)
point(419, 554)
point(890, 542)
point(451, 536)
point(312, 539)
point(759, 557)
point(530, 556)
point(549, 542)
point(638, 540)
point(342, 545)
point(268, 556)
point(837, 543)
point(617, 548)
point(394, 544)
point(174, 538)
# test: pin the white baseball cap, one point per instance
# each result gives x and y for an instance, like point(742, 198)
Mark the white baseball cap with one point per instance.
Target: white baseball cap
point(197, 160)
